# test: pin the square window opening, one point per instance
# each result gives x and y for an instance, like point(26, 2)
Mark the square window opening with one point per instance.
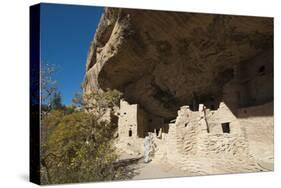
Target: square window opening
point(225, 127)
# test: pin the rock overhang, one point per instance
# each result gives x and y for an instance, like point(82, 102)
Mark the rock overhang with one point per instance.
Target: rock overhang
point(163, 60)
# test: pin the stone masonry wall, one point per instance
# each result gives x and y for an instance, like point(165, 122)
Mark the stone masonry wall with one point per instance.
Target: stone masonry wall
point(258, 123)
point(127, 120)
point(188, 139)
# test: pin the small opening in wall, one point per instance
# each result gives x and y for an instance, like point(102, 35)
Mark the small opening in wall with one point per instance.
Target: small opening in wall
point(125, 113)
point(261, 70)
point(225, 127)
point(185, 125)
point(130, 133)
point(157, 132)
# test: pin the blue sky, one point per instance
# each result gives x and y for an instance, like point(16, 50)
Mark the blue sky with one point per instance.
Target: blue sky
point(66, 33)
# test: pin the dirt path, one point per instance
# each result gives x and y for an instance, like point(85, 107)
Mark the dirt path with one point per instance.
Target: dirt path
point(156, 170)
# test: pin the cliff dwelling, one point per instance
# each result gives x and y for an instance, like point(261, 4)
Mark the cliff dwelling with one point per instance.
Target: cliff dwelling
point(201, 85)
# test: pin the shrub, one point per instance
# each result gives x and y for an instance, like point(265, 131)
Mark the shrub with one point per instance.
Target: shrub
point(77, 148)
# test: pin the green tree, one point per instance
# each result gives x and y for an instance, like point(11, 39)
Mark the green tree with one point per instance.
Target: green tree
point(77, 146)
point(78, 149)
point(97, 102)
point(78, 99)
point(56, 103)
point(69, 109)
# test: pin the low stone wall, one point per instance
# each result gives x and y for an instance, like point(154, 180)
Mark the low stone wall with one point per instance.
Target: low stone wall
point(223, 144)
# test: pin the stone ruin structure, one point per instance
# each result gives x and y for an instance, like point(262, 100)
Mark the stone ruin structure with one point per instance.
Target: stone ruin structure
point(201, 84)
point(211, 139)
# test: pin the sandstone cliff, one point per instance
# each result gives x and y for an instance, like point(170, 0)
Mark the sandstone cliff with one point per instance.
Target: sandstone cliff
point(163, 60)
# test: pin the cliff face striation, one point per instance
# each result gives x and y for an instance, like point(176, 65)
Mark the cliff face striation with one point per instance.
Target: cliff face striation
point(163, 60)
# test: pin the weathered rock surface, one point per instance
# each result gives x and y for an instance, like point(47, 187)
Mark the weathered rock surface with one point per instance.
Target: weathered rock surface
point(162, 60)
